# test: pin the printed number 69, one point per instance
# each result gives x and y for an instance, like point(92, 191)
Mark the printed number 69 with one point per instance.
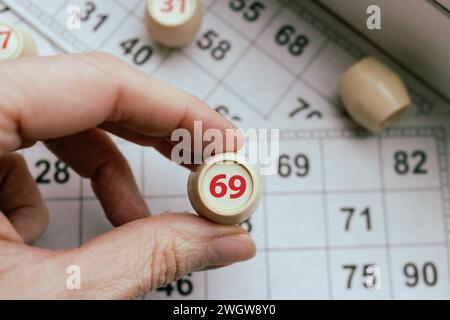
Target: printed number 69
point(219, 189)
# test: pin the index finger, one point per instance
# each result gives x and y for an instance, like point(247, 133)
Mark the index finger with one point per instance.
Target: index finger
point(47, 98)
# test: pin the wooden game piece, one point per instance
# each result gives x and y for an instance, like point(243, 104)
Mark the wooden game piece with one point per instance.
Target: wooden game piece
point(15, 43)
point(226, 189)
point(373, 94)
point(173, 23)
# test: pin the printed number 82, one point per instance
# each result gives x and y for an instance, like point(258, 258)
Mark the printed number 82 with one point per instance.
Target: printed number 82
point(219, 189)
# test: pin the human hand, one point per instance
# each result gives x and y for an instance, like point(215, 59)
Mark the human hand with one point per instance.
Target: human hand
point(69, 102)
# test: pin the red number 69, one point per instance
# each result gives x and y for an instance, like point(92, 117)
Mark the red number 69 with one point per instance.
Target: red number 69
point(223, 189)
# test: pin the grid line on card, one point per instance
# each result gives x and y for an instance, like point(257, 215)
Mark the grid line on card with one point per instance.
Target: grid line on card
point(434, 132)
point(113, 31)
point(124, 8)
point(323, 96)
point(352, 49)
point(221, 82)
point(385, 216)
point(143, 172)
point(297, 77)
point(136, 7)
point(274, 193)
point(269, 55)
point(325, 219)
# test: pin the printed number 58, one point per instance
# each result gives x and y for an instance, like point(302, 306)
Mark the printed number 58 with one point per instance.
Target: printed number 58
point(219, 189)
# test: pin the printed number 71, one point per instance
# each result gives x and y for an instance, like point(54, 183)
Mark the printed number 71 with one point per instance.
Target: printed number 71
point(223, 189)
point(7, 35)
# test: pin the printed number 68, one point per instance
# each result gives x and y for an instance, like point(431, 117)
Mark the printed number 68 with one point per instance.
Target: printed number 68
point(219, 189)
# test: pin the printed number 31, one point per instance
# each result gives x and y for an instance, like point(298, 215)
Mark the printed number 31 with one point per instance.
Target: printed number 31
point(168, 6)
point(219, 189)
point(7, 35)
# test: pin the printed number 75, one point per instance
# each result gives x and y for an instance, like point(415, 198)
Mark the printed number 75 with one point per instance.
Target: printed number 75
point(223, 188)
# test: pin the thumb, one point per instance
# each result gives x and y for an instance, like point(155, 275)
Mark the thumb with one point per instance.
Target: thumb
point(147, 254)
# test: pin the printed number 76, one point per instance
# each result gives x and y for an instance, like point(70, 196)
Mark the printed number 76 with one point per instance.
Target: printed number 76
point(223, 188)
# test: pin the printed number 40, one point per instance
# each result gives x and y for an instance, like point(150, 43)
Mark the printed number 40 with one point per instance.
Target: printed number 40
point(219, 189)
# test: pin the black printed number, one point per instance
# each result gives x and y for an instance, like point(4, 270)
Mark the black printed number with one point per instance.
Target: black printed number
point(410, 163)
point(89, 12)
point(298, 165)
point(251, 10)
point(59, 173)
point(219, 48)
point(414, 274)
point(287, 36)
point(140, 54)
point(183, 286)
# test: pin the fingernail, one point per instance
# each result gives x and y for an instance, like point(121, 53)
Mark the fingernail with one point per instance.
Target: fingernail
point(230, 249)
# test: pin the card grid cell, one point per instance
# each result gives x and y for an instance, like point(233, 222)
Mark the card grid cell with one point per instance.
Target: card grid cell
point(357, 53)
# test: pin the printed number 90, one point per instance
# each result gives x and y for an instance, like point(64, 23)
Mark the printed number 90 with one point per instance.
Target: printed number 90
point(219, 189)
